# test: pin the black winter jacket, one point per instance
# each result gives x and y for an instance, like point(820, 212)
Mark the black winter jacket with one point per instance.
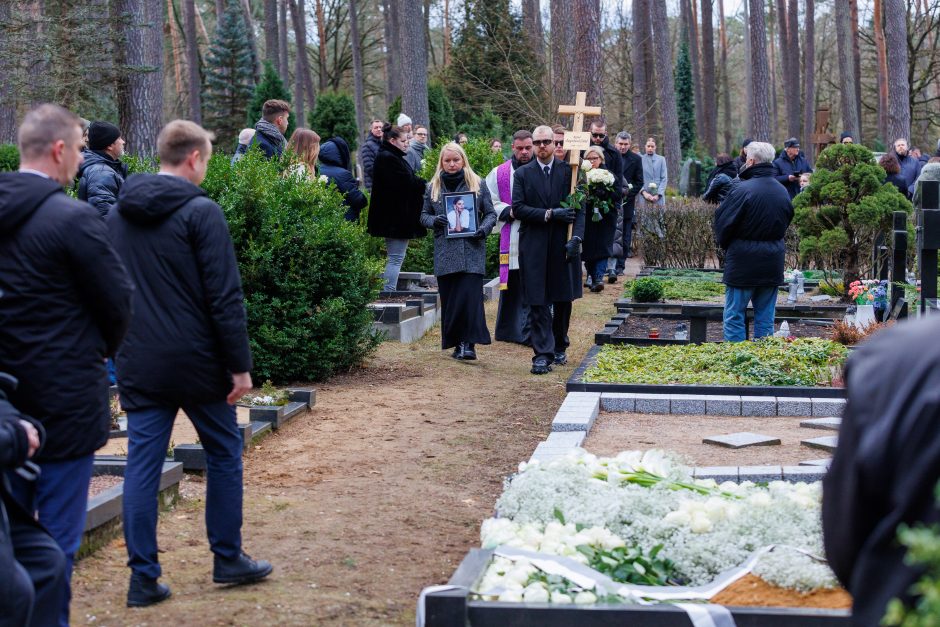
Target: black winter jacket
point(397, 197)
point(269, 139)
point(750, 224)
point(367, 155)
point(784, 167)
point(100, 179)
point(719, 182)
point(334, 165)
point(189, 331)
point(65, 304)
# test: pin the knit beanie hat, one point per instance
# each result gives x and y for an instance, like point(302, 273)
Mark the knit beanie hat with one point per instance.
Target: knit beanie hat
point(403, 119)
point(101, 135)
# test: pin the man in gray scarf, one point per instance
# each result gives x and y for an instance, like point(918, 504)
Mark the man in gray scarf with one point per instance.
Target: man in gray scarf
point(270, 129)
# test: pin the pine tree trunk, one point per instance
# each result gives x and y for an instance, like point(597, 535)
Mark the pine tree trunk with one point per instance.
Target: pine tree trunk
point(653, 126)
point(176, 43)
point(771, 50)
point(302, 80)
point(392, 52)
point(447, 33)
point(7, 93)
point(321, 44)
point(786, 72)
point(641, 32)
point(562, 40)
point(748, 79)
point(194, 83)
point(357, 66)
point(696, 69)
point(587, 70)
point(878, 20)
point(252, 40)
point(532, 26)
point(758, 107)
point(672, 150)
point(899, 103)
point(725, 87)
point(271, 41)
point(709, 88)
point(856, 62)
point(140, 96)
point(414, 93)
point(793, 37)
point(850, 121)
point(809, 76)
point(283, 65)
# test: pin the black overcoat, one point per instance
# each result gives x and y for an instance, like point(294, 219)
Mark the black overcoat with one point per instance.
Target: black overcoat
point(545, 274)
point(599, 236)
point(397, 196)
point(632, 175)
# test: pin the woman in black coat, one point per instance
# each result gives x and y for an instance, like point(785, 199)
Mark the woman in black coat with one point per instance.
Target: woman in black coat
point(720, 180)
point(397, 199)
point(598, 245)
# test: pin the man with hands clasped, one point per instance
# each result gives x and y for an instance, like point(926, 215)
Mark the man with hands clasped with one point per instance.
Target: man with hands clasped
point(549, 263)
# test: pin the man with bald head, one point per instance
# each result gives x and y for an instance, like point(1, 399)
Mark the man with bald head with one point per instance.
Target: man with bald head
point(549, 263)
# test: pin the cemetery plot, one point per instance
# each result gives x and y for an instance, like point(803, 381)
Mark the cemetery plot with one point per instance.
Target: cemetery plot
point(405, 316)
point(640, 328)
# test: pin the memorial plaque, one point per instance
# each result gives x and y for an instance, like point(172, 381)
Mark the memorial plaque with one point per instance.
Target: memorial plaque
point(577, 140)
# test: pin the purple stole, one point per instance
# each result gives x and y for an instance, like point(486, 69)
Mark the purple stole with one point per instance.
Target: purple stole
point(503, 174)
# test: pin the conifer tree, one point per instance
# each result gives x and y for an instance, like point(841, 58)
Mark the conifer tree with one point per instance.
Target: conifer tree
point(685, 98)
point(441, 112)
point(271, 87)
point(229, 77)
point(335, 116)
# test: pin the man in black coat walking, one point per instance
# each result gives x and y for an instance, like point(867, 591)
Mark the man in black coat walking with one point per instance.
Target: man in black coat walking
point(64, 307)
point(187, 348)
point(750, 225)
point(369, 151)
point(632, 183)
point(886, 467)
point(102, 172)
point(549, 263)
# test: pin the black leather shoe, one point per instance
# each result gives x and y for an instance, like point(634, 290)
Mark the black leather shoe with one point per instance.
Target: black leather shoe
point(560, 359)
point(144, 591)
point(611, 277)
point(597, 287)
point(458, 352)
point(242, 569)
point(469, 353)
point(540, 366)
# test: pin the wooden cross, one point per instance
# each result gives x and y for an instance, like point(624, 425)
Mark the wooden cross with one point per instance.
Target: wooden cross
point(574, 139)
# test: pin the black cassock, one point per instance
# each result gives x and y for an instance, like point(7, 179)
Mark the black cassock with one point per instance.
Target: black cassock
point(886, 465)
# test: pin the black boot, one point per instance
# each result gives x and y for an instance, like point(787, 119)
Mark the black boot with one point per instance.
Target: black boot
point(458, 352)
point(242, 569)
point(469, 352)
point(144, 591)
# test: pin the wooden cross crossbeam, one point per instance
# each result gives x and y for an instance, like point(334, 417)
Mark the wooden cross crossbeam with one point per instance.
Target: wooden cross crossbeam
point(579, 109)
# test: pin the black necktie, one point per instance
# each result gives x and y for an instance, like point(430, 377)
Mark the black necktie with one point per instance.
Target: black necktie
point(547, 170)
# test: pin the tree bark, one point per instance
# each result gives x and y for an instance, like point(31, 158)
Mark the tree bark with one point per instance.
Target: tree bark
point(271, 41)
point(587, 70)
point(176, 44)
point(447, 33)
point(140, 94)
point(672, 150)
point(194, 82)
point(653, 126)
point(321, 47)
point(809, 76)
point(850, 120)
point(532, 26)
point(709, 88)
point(856, 62)
point(7, 93)
point(414, 93)
point(357, 66)
point(283, 66)
point(725, 87)
point(878, 20)
point(899, 104)
point(562, 40)
point(641, 32)
point(696, 69)
point(793, 37)
point(392, 52)
point(302, 81)
point(252, 40)
point(758, 106)
point(787, 73)
point(771, 50)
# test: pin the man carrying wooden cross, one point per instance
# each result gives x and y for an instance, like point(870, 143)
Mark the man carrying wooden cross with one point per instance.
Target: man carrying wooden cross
point(549, 262)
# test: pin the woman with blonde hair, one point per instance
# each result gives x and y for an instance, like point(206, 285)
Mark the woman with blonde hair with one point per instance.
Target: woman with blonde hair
point(459, 262)
point(304, 144)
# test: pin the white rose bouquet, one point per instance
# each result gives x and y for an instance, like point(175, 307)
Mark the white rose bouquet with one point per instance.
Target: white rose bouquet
point(597, 187)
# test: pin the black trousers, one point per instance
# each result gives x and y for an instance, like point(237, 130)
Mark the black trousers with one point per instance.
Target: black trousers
point(512, 315)
point(39, 585)
point(627, 240)
point(549, 329)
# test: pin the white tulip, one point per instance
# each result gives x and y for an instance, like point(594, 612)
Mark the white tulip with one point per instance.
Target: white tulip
point(511, 596)
point(561, 597)
point(585, 598)
point(535, 593)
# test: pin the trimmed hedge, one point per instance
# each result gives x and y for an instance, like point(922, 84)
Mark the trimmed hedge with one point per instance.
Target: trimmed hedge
point(9, 158)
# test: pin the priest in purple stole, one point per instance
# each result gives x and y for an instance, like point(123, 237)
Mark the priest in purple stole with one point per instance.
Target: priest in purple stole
point(512, 316)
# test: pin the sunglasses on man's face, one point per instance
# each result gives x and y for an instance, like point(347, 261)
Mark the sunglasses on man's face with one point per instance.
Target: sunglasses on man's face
point(541, 142)
point(559, 142)
point(598, 135)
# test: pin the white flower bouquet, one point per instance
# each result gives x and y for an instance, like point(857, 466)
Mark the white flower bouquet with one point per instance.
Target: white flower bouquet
point(596, 191)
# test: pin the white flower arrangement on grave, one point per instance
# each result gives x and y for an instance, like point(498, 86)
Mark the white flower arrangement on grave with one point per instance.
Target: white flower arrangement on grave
point(612, 513)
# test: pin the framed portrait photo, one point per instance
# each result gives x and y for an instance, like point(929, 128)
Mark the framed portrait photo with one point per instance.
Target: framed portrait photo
point(461, 209)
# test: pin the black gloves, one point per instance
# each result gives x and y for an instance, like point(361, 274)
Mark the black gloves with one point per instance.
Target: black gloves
point(481, 233)
point(440, 221)
point(573, 248)
point(504, 215)
point(563, 215)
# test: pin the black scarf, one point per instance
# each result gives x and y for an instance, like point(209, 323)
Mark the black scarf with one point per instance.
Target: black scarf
point(452, 181)
point(516, 164)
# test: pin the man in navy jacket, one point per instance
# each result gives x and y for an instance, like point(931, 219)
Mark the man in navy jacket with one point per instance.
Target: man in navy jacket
point(790, 165)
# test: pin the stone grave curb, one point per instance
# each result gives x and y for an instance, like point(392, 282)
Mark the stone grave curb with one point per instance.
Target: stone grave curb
point(104, 510)
point(263, 420)
point(406, 324)
point(491, 289)
point(578, 413)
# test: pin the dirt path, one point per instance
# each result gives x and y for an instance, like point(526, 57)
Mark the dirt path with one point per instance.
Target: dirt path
point(376, 493)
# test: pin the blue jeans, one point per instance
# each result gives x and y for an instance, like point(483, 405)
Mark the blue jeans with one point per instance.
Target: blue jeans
point(735, 318)
point(148, 436)
point(60, 496)
point(396, 257)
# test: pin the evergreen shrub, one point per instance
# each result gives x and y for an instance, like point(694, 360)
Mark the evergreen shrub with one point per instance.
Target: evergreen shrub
point(335, 116)
point(9, 158)
point(647, 290)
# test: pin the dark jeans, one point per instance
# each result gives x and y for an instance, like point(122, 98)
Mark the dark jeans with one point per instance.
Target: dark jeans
point(148, 436)
point(549, 329)
point(627, 242)
point(596, 268)
point(40, 588)
point(60, 497)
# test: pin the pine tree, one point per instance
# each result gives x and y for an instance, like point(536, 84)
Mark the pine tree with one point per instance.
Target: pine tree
point(229, 77)
point(335, 116)
point(271, 87)
point(441, 112)
point(685, 99)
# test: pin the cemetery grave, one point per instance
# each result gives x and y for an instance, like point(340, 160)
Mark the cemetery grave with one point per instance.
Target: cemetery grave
point(406, 314)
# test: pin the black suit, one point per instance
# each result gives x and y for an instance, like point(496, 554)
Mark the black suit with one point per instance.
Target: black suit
point(547, 277)
point(632, 175)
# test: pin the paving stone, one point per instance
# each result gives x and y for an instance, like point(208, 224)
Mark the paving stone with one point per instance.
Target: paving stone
point(583, 396)
point(758, 406)
point(723, 405)
point(794, 406)
point(565, 439)
point(741, 440)
point(824, 462)
point(719, 473)
point(761, 474)
point(581, 420)
point(828, 424)
point(825, 443)
point(828, 406)
point(652, 404)
point(690, 404)
point(807, 474)
point(617, 401)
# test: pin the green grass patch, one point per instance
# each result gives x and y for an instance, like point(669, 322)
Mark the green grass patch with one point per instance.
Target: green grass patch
point(769, 361)
point(680, 273)
point(685, 289)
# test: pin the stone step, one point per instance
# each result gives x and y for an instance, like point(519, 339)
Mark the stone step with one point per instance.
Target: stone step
point(828, 424)
point(825, 443)
point(741, 440)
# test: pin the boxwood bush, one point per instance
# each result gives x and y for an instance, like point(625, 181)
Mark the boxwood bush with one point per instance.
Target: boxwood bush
point(646, 290)
point(9, 158)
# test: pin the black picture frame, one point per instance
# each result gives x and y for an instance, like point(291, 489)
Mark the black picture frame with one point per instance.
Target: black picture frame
point(467, 201)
